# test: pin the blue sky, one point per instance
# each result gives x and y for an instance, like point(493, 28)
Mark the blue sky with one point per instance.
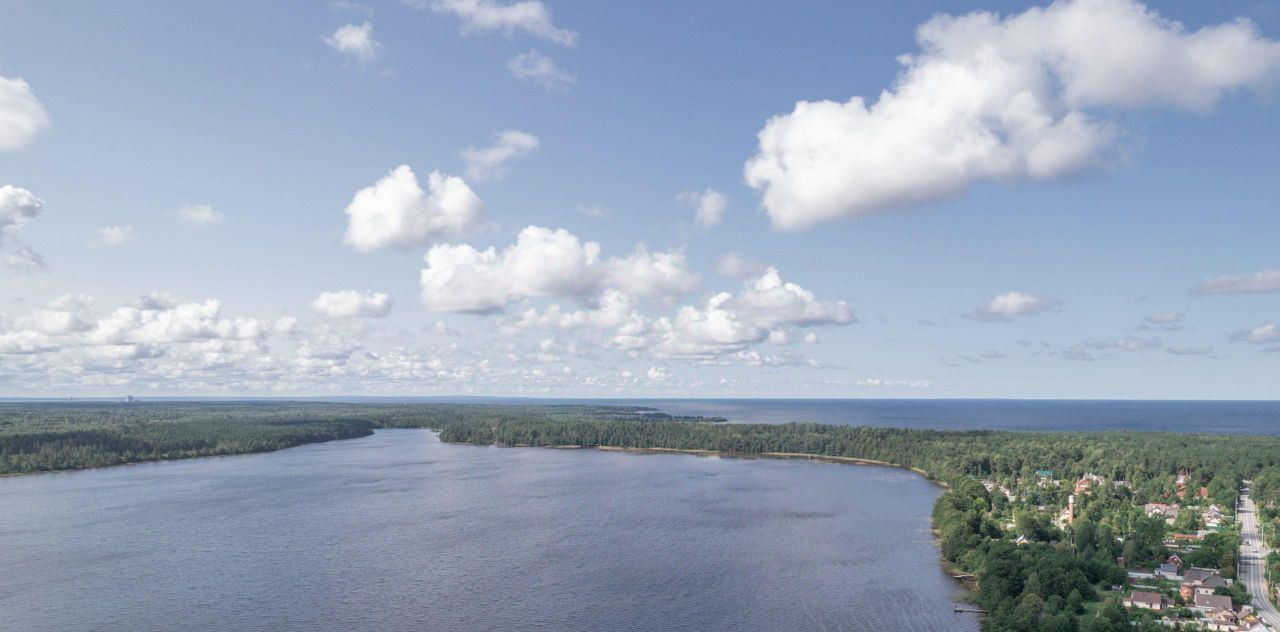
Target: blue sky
point(1035, 204)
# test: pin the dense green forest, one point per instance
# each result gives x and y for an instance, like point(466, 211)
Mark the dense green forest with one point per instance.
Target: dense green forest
point(47, 436)
point(1057, 580)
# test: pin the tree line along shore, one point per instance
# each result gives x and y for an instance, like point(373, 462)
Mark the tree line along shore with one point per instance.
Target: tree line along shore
point(1057, 528)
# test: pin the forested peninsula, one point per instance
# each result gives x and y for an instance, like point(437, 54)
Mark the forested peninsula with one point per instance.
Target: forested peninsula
point(1048, 523)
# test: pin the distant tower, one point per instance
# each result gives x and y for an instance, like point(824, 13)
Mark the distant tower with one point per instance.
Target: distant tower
point(1071, 509)
point(129, 399)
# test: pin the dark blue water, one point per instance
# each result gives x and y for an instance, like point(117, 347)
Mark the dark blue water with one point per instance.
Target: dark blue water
point(1225, 417)
point(399, 532)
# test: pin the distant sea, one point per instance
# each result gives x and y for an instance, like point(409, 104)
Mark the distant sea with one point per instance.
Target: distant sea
point(1217, 417)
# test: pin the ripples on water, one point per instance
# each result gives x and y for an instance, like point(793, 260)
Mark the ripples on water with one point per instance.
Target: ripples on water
point(400, 532)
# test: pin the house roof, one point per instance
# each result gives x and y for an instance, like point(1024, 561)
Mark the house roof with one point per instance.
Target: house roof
point(1142, 596)
point(1213, 602)
point(1198, 575)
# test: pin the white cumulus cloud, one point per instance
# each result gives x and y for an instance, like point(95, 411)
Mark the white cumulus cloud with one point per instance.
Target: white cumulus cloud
point(1256, 283)
point(352, 303)
point(22, 117)
point(17, 208)
point(1023, 96)
point(1262, 334)
point(545, 262)
point(529, 16)
point(356, 41)
point(539, 69)
point(728, 323)
point(651, 275)
point(709, 207)
point(1004, 307)
point(199, 215)
point(493, 162)
point(396, 213)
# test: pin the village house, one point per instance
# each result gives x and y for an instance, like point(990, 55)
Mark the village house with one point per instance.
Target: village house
point(1086, 483)
point(1168, 512)
point(1200, 581)
point(1221, 620)
point(1213, 517)
point(1146, 600)
point(1212, 603)
point(1167, 571)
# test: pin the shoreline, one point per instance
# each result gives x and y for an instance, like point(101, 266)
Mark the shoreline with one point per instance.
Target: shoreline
point(799, 456)
point(176, 459)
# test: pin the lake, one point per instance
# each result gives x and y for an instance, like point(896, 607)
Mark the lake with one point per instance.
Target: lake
point(398, 531)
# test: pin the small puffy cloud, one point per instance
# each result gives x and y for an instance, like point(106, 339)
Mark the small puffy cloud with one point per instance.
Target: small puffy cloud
point(349, 5)
point(539, 69)
point(1256, 283)
point(17, 208)
point(356, 42)
point(1262, 334)
point(22, 117)
point(352, 303)
point(199, 215)
point(529, 16)
point(734, 266)
point(493, 163)
point(114, 235)
point(545, 262)
point(1005, 306)
point(1168, 321)
point(991, 97)
point(595, 212)
point(709, 207)
point(24, 259)
point(396, 213)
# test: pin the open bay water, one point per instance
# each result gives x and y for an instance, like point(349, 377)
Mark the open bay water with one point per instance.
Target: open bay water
point(398, 531)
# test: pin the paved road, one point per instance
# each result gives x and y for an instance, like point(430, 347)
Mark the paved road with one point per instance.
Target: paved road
point(1253, 561)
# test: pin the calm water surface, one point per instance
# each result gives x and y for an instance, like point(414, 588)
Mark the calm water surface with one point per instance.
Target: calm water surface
point(400, 532)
